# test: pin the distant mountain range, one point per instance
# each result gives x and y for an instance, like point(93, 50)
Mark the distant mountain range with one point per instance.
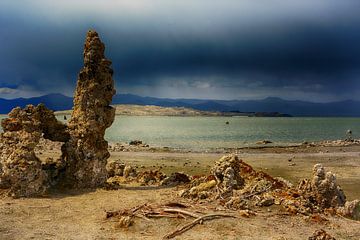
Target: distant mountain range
point(54, 101)
point(347, 108)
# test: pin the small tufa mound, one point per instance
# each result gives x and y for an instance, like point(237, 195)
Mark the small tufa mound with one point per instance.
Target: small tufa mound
point(323, 188)
point(227, 174)
point(235, 185)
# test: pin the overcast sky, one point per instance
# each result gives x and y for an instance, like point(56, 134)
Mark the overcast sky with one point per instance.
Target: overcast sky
point(307, 50)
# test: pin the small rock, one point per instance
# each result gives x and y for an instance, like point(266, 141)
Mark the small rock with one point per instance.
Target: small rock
point(115, 168)
point(125, 222)
point(264, 142)
point(321, 235)
point(266, 202)
point(351, 210)
point(129, 171)
point(176, 178)
point(135, 142)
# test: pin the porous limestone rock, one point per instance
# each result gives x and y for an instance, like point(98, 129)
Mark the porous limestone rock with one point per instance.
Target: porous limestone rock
point(151, 177)
point(86, 153)
point(351, 209)
point(175, 178)
point(321, 235)
point(201, 191)
point(129, 172)
point(323, 189)
point(115, 168)
point(236, 184)
point(227, 174)
point(20, 169)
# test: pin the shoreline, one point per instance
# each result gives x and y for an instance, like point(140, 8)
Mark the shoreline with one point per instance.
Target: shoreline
point(290, 162)
point(261, 145)
point(322, 147)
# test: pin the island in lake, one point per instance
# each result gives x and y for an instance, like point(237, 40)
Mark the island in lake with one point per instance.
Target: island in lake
point(152, 110)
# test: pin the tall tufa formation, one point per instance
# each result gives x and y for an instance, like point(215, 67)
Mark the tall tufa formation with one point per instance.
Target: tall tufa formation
point(85, 154)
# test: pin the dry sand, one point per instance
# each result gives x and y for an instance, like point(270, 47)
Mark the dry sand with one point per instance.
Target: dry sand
point(81, 214)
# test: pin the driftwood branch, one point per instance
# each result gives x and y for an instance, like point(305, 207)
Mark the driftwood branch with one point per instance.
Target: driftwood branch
point(175, 204)
point(138, 207)
point(174, 210)
point(198, 220)
point(143, 217)
point(161, 216)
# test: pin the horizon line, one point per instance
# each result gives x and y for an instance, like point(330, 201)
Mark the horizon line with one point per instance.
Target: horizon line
point(202, 99)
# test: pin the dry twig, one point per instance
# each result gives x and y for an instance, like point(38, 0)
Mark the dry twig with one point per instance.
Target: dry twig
point(199, 220)
point(160, 216)
point(174, 210)
point(138, 207)
point(47, 206)
point(175, 204)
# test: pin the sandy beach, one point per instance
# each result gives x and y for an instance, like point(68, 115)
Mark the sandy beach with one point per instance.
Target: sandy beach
point(80, 214)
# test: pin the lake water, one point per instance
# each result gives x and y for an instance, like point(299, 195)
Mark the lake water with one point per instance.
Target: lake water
point(212, 132)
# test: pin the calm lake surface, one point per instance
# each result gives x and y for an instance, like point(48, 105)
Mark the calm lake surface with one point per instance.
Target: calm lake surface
point(212, 132)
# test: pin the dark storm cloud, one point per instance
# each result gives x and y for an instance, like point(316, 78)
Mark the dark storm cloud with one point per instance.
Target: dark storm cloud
point(188, 49)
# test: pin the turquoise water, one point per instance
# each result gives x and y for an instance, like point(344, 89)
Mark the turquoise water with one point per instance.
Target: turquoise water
point(212, 132)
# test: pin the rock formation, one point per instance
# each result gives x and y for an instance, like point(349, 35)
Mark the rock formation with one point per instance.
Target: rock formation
point(323, 188)
point(227, 174)
point(321, 235)
point(351, 209)
point(86, 153)
point(115, 168)
point(20, 170)
point(175, 178)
